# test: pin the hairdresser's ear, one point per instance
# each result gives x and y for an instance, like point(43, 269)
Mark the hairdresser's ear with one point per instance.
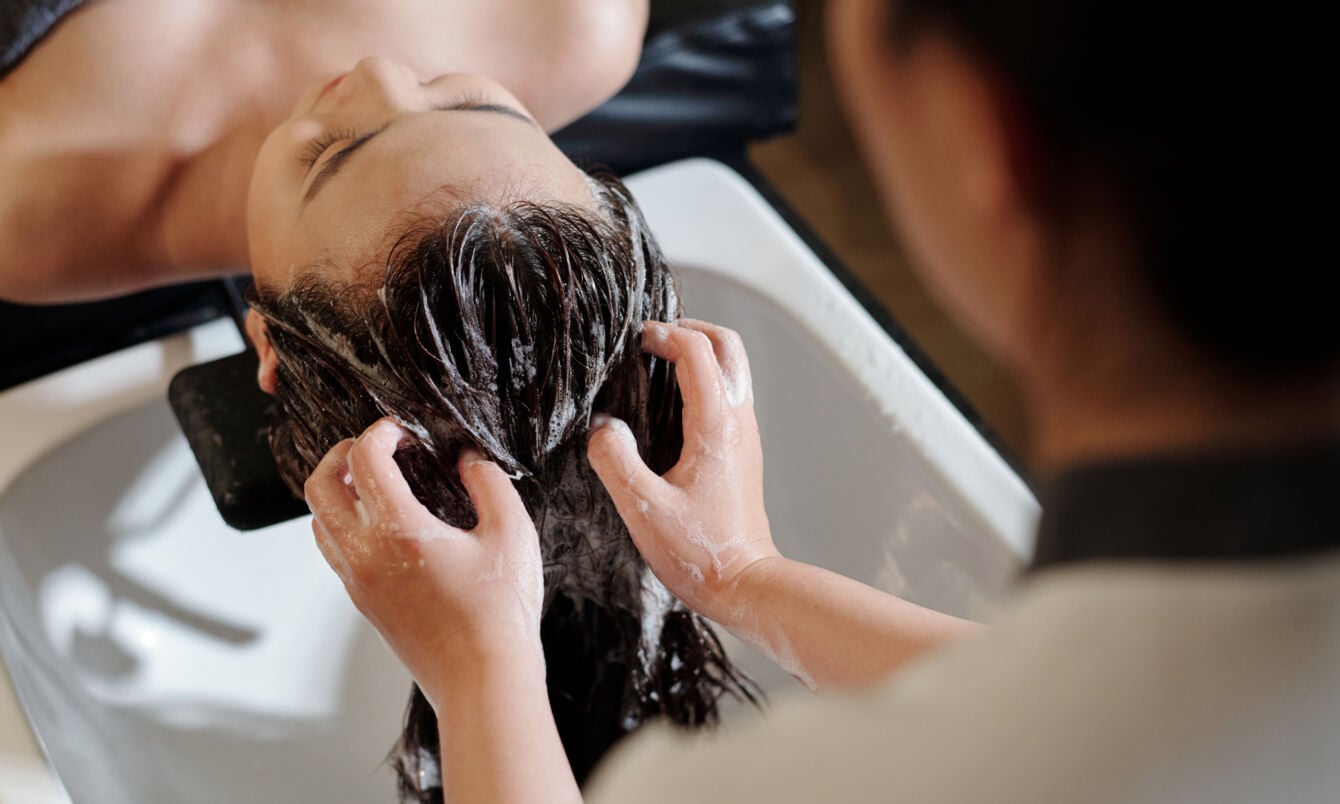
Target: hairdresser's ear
point(266, 376)
point(946, 149)
point(932, 120)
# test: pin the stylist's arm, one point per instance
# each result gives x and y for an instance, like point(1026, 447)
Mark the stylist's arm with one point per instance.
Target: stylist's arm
point(460, 608)
point(703, 530)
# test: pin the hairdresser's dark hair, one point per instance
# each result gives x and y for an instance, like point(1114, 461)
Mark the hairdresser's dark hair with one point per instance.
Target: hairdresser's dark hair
point(503, 328)
point(1187, 118)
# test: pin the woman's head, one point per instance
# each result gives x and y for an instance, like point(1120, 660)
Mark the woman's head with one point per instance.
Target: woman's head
point(361, 154)
point(503, 325)
point(498, 327)
point(1056, 160)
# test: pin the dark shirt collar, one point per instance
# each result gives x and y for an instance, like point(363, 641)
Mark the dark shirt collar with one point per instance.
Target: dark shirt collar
point(1226, 506)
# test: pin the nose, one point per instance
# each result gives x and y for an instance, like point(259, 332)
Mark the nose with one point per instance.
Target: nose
point(384, 78)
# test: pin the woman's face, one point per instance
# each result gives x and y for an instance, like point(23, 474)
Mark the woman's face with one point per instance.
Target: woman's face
point(371, 147)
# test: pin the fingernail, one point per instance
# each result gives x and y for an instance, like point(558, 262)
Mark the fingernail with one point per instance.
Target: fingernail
point(602, 421)
point(389, 426)
point(655, 331)
point(471, 456)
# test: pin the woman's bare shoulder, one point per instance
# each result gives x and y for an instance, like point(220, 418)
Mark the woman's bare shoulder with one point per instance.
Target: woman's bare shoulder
point(579, 52)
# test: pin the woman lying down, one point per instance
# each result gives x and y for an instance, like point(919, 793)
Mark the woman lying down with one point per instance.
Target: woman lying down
point(421, 251)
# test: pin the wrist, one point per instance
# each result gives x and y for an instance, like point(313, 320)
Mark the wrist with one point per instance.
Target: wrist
point(732, 605)
point(466, 657)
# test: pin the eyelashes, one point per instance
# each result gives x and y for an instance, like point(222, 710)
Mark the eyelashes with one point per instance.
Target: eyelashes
point(313, 150)
point(465, 100)
point(318, 146)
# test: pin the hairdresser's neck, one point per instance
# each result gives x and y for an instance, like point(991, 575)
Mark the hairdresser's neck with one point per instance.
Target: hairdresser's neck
point(1106, 374)
point(1173, 407)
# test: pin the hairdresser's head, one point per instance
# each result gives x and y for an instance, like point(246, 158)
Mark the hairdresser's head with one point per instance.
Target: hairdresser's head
point(376, 147)
point(1101, 190)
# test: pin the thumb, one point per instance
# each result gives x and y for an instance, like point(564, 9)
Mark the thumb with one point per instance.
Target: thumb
point(495, 498)
point(612, 451)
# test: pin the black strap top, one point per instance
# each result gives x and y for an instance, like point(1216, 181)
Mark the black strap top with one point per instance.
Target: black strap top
point(23, 23)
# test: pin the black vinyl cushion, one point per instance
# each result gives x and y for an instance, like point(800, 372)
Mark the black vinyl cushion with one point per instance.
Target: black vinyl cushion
point(706, 88)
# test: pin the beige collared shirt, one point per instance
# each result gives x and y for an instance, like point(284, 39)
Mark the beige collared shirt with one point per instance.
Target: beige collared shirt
point(1118, 683)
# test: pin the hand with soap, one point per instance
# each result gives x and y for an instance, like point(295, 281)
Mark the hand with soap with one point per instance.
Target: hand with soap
point(703, 524)
point(434, 592)
point(703, 530)
point(460, 608)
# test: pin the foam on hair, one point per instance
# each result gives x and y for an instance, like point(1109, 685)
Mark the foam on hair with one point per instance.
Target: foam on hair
point(503, 329)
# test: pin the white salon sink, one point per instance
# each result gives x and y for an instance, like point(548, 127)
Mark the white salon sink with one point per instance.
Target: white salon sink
point(164, 658)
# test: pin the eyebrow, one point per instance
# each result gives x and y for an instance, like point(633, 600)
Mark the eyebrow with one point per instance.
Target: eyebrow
point(333, 165)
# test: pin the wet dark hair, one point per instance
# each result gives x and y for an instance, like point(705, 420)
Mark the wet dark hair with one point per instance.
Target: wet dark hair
point(503, 328)
point(1186, 119)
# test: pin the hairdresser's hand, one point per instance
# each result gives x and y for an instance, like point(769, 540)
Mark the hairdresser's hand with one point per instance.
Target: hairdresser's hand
point(439, 595)
point(702, 525)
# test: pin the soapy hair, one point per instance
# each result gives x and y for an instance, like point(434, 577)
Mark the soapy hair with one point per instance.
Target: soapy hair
point(503, 328)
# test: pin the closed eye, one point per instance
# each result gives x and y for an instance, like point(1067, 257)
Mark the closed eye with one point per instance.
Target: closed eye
point(312, 154)
point(318, 146)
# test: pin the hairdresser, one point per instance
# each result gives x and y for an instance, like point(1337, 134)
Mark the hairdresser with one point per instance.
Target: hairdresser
point(1089, 188)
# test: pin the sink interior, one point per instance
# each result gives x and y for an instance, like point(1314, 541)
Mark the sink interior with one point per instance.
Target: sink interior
point(166, 657)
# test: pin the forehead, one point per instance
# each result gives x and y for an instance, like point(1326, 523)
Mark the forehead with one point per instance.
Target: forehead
point(424, 163)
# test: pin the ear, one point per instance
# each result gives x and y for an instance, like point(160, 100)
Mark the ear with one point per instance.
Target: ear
point(861, 57)
point(949, 152)
point(266, 375)
point(935, 101)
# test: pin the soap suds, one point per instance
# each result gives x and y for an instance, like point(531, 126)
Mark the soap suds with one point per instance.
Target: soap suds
point(739, 390)
point(735, 374)
point(693, 531)
point(364, 518)
point(695, 572)
point(656, 604)
point(744, 624)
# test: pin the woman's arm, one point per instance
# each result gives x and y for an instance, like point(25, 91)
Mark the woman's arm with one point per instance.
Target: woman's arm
point(585, 51)
point(703, 530)
point(460, 609)
point(826, 629)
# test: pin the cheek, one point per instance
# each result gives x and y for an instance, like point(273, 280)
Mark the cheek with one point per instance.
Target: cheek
point(907, 135)
point(898, 142)
point(918, 167)
point(943, 247)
